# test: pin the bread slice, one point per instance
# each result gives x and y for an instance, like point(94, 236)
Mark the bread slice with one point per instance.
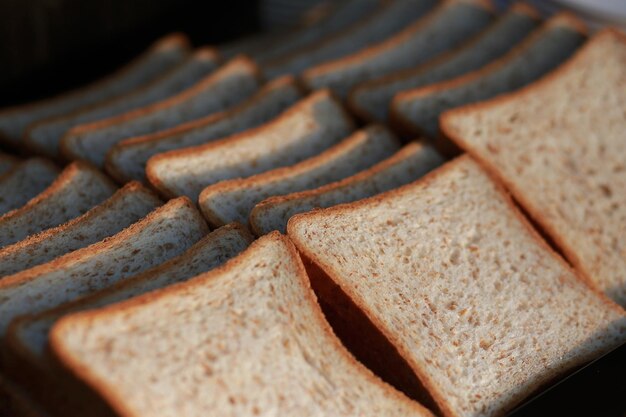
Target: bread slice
point(405, 166)
point(305, 129)
point(160, 57)
point(227, 86)
point(386, 20)
point(127, 159)
point(44, 136)
point(563, 166)
point(78, 188)
point(253, 341)
point(7, 162)
point(419, 110)
point(25, 181)
point(232, 200)
point(451, 274)
point(445, 27)
point(128, 205)
point(166, 232)
point(371, 99)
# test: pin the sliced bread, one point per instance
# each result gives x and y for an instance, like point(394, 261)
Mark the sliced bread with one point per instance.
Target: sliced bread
point(25, 181)
point(7, 162)
point(454, 278)
point(232, 200)
point(559, 147)
point(127, 159)
point(305, 129)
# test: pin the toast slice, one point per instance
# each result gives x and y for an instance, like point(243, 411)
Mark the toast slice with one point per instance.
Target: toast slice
point(566, 169)
point(446, 27)
point(25, 181)
point(232, 200)
point(305, 129)
point(254, 341)
point(405, 166)
point(7, 162)
point(127, 206)
point(418, 110)
point(451, 274)
point(127, 159)
point(77, 189)
point(370, 100)
point(44, 136)
point(227, 86)
point(159, 58)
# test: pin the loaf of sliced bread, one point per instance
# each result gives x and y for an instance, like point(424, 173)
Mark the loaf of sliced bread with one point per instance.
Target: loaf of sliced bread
point(25, 181)
point(247, 339)
point(405, 166)
point(371, 99)
point(127, 159)
point(419, 110)
point(455, 279)
point(305, 129)
point(161, 57)
point(125, 207)
point(559, 147)
point(446, 27)
point(225, 87)
point(7, 162)
point(232, 200)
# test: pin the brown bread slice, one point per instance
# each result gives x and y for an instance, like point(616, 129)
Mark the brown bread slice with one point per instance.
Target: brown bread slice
point(7, 162)
point(25, 181)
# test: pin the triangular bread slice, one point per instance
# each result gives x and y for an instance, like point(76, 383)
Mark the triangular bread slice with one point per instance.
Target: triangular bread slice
point(253, 338)
point(128, 205)
point(370, 100)
point(44, 136)
point(25, 181)
point(455, 279)
point(160, 57)
point(225, 87)
point(77, 189)
point(559, 146)
point(447, 26)
point(127, 159)
point(418, 110)
point(7, 162)
point(305, 129)
point(232, 200)
point(405, 166)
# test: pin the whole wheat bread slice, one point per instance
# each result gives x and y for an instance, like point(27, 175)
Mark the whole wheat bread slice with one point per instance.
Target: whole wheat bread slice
point(406, 165)
point(453, 277)
point(128, 205)
point(371, 99)
point(44, 136)
point(446, 27)
point(305, 129)
point(232, 200)
point(7, 162)
point(127, 159)
point(25, 181)
point(419, 110)
point(225, 87)
point(160, 57)
point(77, 189)
point(559, 147)
point(253, 338)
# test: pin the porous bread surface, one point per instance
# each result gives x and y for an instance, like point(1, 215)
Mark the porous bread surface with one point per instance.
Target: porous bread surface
point(305, 129)
point(77, 189)
point(542, 52)
point(231, 201)
point(162, 56)
point(559, 146)
point(444, 28)
point(247, 339)
point(371, 99)
point(7, 162)
point(45, 135)
point(406, 165)
point(456, 279)
point(127, 159)
point(225, 87)
point(125, 207)
point(25, 181)
point(166, 232)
